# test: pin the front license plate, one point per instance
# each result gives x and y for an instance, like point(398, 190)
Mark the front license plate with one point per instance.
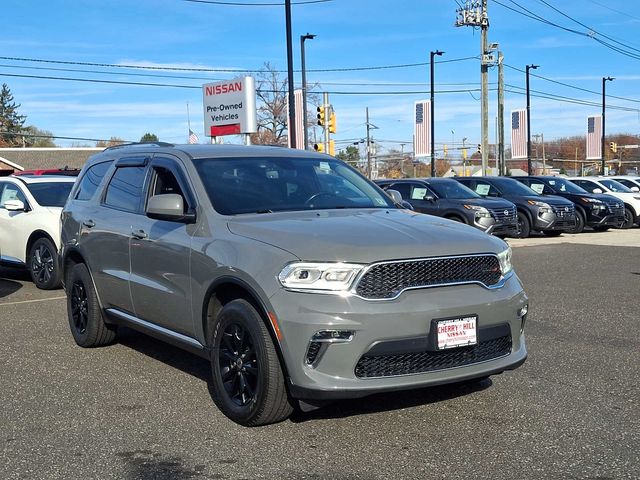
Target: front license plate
point(457, 332)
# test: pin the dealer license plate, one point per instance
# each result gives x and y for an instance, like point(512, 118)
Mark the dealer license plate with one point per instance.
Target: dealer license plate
point(457, 332)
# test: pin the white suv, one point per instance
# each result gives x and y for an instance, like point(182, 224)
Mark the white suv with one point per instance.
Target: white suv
point(611, 187)
point(30, 208)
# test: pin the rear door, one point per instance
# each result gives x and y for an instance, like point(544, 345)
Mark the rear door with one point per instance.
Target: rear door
point(160, 254)
point(15, 226)
point(415, 193)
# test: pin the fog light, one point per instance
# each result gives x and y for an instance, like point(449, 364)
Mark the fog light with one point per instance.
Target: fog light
point(320, 342)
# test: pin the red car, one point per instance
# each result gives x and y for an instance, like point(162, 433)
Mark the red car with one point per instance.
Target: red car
point(54, 171)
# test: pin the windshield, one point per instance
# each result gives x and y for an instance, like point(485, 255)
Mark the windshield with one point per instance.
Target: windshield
point(615, 186)
point(566, 186)
point(509, 186)
point(452, 189)
point(272, 184)
point(50, 194)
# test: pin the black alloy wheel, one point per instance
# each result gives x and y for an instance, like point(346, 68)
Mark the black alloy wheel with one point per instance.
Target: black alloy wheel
point(579, 225)
point(629, 218)
point(79, 307)
point(524, 226)
point(238, 364)
point(43, 264)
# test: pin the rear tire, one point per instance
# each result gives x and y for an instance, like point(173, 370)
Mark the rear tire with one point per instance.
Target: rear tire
point(524, 226)
point(85, 316)
point(43, 264)
point(248, 383)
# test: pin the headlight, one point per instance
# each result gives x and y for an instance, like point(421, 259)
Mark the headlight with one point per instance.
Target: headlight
point(480, 211)
point(544, 207)
point(332, 277)
point(504, 258)
point(590, 200)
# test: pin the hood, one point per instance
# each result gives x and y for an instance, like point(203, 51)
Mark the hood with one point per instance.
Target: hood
point(364, 236)
point(552, 200)
point(487, 202)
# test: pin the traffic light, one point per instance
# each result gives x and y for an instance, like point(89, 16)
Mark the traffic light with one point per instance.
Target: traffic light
point(446, 149)
point(318, 147)
point(332, 148)
point(613, 146)
point(321, 116)
point(332, 123)
point(480, 148)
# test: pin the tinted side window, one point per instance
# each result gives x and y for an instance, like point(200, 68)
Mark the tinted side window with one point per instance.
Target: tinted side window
point(586, 184)
point(403, 188)
point(91, 179)
point(125, 189)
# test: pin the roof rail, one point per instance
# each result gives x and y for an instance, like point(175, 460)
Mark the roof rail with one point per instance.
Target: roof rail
point(135, 144)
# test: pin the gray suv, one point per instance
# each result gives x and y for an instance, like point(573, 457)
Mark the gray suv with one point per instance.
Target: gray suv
point(296, 277)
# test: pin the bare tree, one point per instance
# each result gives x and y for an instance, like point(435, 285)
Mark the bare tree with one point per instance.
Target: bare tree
point(271, 91)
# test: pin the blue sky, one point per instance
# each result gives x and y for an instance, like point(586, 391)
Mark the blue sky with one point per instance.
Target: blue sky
point(351, 34)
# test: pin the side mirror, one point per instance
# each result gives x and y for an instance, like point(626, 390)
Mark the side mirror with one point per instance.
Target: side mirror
point(395, 195)
point(635, 189)
point(14, 205)
point(429, 198)
point(406, 205)
point(169, 207)
point(596, 190)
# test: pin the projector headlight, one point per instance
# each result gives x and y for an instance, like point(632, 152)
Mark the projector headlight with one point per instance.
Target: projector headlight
point(504, 258)
point(329, 277)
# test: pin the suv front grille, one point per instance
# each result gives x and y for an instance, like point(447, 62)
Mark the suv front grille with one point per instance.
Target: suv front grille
point(564, 211)
point(505, 215)
point(387, 280)
point(615, 207)
point(372, 366)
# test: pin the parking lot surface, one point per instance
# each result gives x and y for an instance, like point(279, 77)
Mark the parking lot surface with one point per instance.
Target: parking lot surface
point(142, 409)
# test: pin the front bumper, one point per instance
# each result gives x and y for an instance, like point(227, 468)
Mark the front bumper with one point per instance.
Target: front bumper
point(406, 320)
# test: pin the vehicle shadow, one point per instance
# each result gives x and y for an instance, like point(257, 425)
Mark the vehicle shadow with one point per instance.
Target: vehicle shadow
point(383, 402)
point(199, 368)
point(8, 285)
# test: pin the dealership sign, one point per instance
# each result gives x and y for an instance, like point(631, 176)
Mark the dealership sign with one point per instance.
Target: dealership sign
point(230, 107)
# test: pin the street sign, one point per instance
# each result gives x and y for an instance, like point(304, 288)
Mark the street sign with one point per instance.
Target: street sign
point(488, 59)
point(230, 107)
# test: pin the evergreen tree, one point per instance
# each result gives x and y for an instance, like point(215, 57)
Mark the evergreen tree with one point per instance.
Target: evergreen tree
point(149, 137)
point(11, 122)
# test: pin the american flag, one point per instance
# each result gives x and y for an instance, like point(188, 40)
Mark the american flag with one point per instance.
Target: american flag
point(193, 138)
point(594, 138)
point(298, 115)
point(422, 129)
point(519, 134)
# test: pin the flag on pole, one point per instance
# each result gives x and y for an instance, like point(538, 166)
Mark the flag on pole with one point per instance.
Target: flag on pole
point(422, 129)
point(193, 138)
point(594, 138)
point(519, 134)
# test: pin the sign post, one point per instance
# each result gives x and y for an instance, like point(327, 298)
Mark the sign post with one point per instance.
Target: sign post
point(230, 108)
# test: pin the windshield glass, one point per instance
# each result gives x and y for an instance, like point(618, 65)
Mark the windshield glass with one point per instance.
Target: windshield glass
point(272, 184)
point(566, 186)
point(50, 194)
point(452, 189)
point(615, 186)
point(508, 186)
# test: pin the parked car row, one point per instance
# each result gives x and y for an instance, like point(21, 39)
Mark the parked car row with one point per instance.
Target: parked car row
point(551, 205)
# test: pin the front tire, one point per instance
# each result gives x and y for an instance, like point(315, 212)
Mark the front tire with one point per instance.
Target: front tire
point(85, 316)
point(629, 218)
point(43, 264)
point(248, 383)
point(524, 226)
point(580, 222)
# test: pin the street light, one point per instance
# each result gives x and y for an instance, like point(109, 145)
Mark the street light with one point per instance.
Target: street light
point(308, 36)
point(529, 170)
point(433, 132)
point(604, 79)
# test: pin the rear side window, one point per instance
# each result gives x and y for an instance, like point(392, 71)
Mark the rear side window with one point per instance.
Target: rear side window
point(124, 191)
point(91, 180)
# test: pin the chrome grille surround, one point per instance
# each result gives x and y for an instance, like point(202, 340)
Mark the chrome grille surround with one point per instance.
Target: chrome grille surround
point(501, 217)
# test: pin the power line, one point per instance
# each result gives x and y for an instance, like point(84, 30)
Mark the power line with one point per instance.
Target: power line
point(246, 4)
point(226, 70)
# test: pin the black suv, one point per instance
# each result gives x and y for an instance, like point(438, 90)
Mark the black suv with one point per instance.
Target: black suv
point(595, 210)
point(446, 198)
point(551, 215)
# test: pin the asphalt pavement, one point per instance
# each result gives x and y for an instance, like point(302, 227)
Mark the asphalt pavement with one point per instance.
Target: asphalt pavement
point(141, 409)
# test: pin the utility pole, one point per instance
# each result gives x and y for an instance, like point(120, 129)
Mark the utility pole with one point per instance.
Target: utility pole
point(529, 169)
point(368, 147)
point(433, 121)
point(501, 163)
point(308, 36)
point(292, 110)
point(327, 112)
point(474, 14)
point(604, 79)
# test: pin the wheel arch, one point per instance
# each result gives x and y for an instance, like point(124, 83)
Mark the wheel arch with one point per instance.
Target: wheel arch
point(34, 237)
point(455, 215)
point(226, 289)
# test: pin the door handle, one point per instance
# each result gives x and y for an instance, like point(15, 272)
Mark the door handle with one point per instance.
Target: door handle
point(89, 223)
point(139, 234)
